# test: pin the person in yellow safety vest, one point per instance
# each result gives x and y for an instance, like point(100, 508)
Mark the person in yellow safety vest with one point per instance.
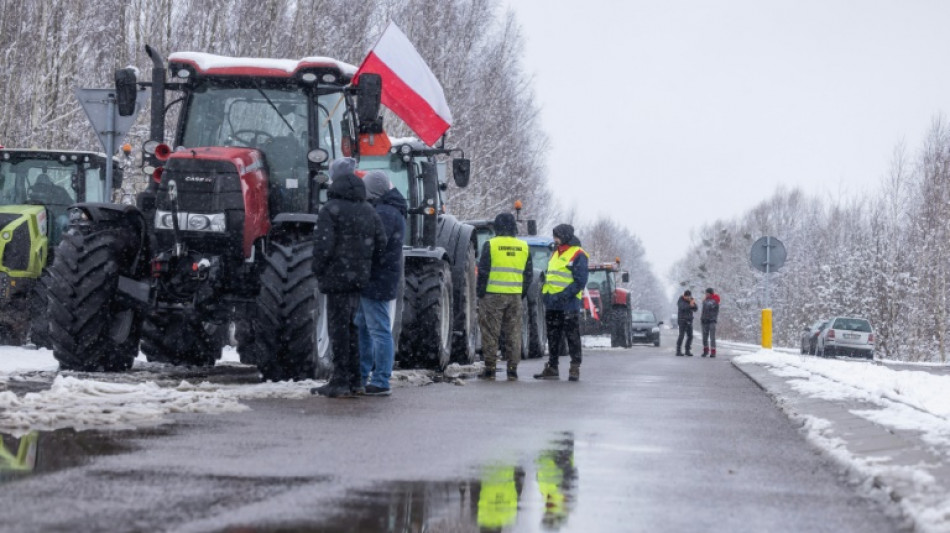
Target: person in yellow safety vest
point(498, 497)
point(504, 275)
point(556, 475)
point(564, 281)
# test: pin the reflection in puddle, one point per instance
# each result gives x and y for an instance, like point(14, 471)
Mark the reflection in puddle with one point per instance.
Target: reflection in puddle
point(505, 497)
point(48, 451)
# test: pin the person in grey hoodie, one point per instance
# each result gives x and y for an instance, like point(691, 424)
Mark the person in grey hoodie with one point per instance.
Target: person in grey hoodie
point(373, 319)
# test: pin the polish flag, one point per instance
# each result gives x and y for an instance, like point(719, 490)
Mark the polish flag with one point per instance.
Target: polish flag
point(410, 89)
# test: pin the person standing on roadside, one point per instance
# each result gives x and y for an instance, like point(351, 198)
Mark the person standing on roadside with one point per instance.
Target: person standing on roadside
point(565, 279)
point(349, 240)
point(504, 275)
point(708, 318)
point(373, 319)
point(685, 307)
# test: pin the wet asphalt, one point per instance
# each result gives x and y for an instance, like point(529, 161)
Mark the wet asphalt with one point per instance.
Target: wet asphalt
point(646, 441)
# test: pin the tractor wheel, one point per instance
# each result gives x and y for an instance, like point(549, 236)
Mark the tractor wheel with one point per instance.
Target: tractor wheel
point(537, 331)
point(465, 334)
point(90, 327)
point(621, 328)
point(289, 313)
point(170, 339)
point(427, 338)
point(39, 316)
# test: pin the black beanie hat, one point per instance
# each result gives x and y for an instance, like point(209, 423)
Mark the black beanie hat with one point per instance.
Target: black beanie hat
point(710, 290)
point(565, 232)
point(506, 225)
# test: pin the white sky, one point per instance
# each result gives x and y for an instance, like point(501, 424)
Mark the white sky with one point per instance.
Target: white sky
point(670, 114)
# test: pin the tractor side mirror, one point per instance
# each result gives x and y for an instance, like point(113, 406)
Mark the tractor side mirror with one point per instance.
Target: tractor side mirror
point(532, 227)
point(461, 169)
point(369, 94)
point(625, 277)
point(125, 83)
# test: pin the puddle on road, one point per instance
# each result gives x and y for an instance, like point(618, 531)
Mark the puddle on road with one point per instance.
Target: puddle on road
point(504, 497)
point(39, 452)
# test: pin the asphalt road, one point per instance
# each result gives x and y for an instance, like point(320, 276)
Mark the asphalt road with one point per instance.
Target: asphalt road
point(646, 441)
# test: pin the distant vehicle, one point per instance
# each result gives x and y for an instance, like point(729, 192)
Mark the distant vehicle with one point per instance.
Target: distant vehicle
point(853, 337)
point(646, 328)
point(810, 336)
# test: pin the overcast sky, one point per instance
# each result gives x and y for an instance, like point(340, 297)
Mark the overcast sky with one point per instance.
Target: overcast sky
point(670, 114)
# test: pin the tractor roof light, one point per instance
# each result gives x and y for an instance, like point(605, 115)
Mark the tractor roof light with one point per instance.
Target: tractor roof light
point(405, 149)
point(183, 73)
point(150, 146)
point(6, 156)
point(62, 158)
point(329, 77)
point(308, 77)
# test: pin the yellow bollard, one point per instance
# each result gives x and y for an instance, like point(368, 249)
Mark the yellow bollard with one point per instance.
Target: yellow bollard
point(767, 329)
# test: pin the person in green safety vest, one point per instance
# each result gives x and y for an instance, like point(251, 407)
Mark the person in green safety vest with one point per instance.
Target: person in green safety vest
point(498, 496)
point(556, 475)
point(504, 275)
point(565, 279)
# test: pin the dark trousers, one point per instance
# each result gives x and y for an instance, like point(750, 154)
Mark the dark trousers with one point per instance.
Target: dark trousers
point(561, 325)
point(686, 329)
point(344, 337)
point(709, 335)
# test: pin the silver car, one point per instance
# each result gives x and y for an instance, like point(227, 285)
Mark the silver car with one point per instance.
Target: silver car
point(849, 336)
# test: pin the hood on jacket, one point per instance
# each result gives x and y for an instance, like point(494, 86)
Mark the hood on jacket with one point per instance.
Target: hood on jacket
point(347, 187)
point(564, 232)
point(506, 225)
point(377, 183)
point(394, 198)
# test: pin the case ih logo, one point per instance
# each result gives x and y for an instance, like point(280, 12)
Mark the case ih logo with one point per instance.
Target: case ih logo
point(199, 179)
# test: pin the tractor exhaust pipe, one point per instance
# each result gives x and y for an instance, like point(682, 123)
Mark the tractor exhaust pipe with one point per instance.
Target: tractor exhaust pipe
point(157, 132)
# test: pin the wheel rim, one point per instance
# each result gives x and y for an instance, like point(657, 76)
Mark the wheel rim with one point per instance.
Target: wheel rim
point(445, 323)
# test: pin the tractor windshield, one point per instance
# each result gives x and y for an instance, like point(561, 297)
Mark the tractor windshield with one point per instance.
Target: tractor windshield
point(40, 182)
point(540, 256)
point(275, 120)
point(597, 281)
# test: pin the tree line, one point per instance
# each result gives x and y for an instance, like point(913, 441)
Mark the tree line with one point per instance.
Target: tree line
point(881, 256)
point(475, 48)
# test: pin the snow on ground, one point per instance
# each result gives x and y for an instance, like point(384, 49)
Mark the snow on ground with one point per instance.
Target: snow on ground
point(914, 401)
point(146, 395)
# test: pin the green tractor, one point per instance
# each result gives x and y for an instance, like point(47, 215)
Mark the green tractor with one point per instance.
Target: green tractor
point(36, 189)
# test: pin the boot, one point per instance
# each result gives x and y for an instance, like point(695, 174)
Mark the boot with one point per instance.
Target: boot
point(512, 373)
point(678, 352)
point(712, 353)
point(488, 373)
point(688, 353)
point(574, 374)
point(549, 372)
point(335, 390)
point(705, 351)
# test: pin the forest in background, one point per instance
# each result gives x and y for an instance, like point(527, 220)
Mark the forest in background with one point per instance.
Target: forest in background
point(882, 256)
point(49, 49)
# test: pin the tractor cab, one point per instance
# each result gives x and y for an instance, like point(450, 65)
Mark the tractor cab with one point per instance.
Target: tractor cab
point(606, 305)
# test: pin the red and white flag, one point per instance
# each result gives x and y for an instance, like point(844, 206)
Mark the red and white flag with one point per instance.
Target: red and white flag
point(410, 89)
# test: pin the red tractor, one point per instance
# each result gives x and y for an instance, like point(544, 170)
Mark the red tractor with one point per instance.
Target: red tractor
point(222, 237)
point(607, 308)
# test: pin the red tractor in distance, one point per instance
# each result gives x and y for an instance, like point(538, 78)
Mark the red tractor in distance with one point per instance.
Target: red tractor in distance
point(223, 236)
point(607, 308)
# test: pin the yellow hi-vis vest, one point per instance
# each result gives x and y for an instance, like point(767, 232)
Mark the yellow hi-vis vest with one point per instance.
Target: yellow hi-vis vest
point(509, 255)
point(558, 275)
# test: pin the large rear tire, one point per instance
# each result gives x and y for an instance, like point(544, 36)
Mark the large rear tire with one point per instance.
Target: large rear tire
point(621, 327)
point(465, 334)
point(426, 338)
point(170, 339)
point(288, 313)
point(537, 330)
point(91, 327)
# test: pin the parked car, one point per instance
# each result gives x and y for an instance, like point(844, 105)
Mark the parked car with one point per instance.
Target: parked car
point(810, 336)
point(646, 329)
point(847, 336)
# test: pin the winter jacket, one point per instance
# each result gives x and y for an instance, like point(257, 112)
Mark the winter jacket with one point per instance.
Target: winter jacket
point(384, 280)
point(685, 309)
point(567, 299)
point(505, 226)
point(349, 237)
point(710, 312)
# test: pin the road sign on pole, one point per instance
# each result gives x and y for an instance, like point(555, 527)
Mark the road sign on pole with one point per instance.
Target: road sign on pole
point(767, 255)
point(110, 127)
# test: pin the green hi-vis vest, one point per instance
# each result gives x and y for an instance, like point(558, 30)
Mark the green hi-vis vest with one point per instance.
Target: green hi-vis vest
point(559, 276)
point(509, 256)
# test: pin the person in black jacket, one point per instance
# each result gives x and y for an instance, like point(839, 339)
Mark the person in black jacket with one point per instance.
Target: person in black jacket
point(708, 318)
point(373, 318)
point(685, 307)
point(349, 239)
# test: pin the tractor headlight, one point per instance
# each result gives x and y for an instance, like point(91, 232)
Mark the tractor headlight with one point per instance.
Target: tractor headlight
point(191, 221)
point(77, 214)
